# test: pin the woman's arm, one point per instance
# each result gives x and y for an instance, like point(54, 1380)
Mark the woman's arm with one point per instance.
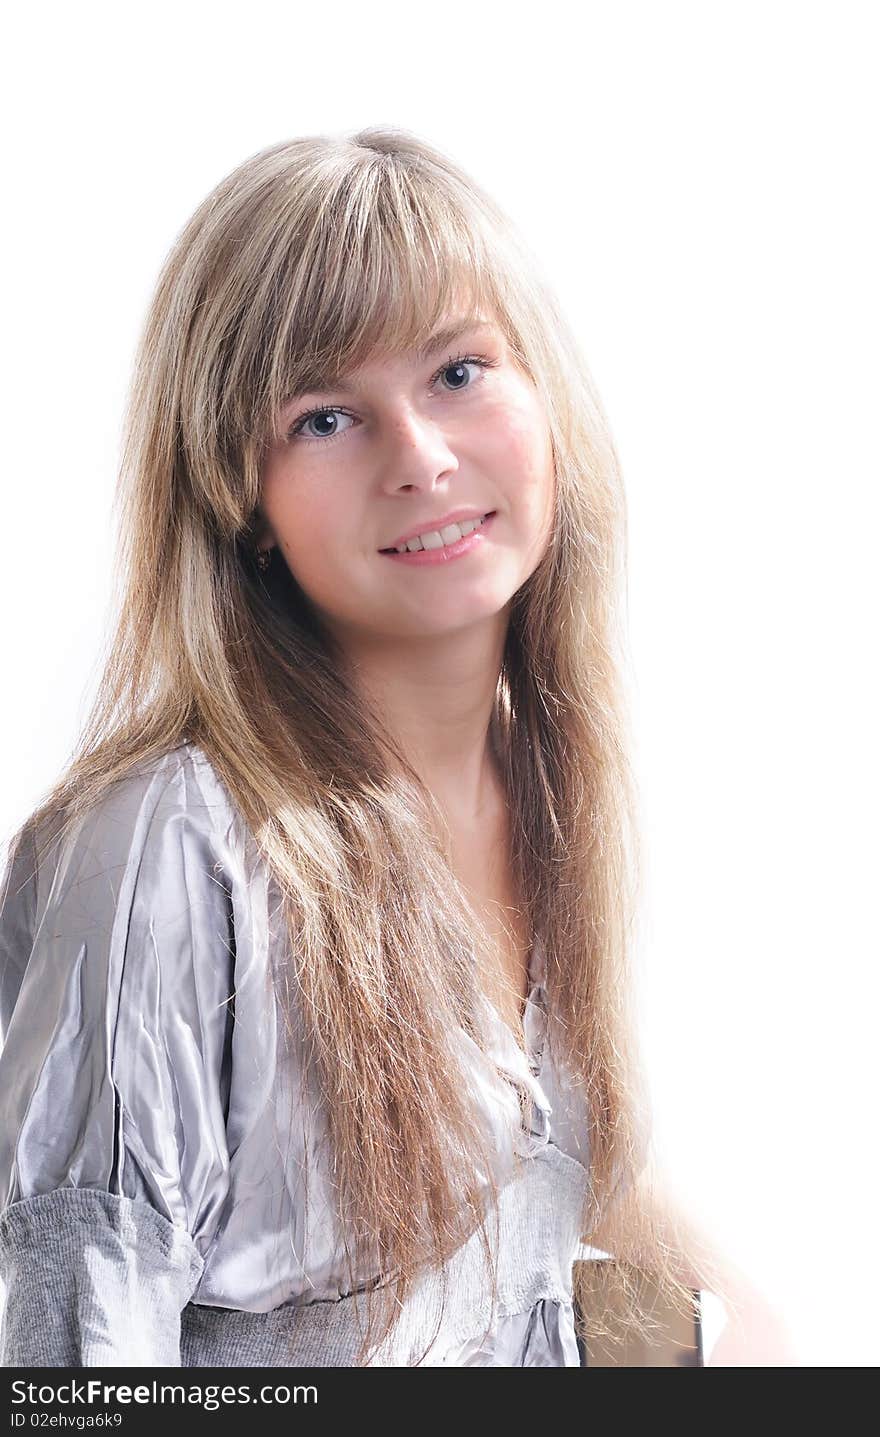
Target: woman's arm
point(117, 961)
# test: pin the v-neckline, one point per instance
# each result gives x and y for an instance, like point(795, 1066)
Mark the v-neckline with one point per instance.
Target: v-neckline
point(536, 998)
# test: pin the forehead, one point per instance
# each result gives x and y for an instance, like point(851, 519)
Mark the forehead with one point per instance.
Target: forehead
point(478, 323)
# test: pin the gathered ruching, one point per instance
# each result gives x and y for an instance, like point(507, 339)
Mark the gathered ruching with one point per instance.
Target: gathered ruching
point(542, 1336)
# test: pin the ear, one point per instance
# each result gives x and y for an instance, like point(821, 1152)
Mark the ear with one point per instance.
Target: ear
point(263, 533)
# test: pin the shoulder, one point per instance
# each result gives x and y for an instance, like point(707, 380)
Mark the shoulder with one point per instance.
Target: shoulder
point(179, 788)
point(154, 856)
point(174, 796)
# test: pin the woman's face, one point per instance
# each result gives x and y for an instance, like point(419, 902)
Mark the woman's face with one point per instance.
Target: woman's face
point(393, 451)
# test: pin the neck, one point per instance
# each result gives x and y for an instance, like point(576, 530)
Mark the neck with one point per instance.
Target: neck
point(437, 696)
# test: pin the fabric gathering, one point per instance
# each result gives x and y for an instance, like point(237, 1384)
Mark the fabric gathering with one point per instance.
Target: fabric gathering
point(166, 1195)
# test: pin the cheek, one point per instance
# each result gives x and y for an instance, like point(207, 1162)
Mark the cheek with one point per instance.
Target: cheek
point(525, 457)
point(304, 527)
point(295, 504)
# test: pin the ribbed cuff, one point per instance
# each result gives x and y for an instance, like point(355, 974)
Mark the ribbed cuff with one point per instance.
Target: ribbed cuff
point(93, 1280)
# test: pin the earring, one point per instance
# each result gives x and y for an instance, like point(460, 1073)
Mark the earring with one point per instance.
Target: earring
point(263, 559)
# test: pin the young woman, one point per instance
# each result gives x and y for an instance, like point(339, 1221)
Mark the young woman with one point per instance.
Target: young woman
point(316, 984)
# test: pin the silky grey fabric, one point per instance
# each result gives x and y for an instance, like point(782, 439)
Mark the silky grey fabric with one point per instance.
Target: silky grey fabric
point(163, 1148)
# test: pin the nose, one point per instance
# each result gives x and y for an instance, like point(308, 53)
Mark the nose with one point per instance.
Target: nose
point(417, 453)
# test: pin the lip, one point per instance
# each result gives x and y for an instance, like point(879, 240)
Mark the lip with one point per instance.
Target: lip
point(430, 526)
point(470, 543)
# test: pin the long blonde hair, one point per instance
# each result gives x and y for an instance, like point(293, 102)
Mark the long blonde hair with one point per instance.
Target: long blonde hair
point(305, 258)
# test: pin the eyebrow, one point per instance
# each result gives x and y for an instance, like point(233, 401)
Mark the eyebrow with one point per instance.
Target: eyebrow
point(319, 383)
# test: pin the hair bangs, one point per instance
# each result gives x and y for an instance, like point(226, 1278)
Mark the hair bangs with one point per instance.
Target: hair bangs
point(381, 278)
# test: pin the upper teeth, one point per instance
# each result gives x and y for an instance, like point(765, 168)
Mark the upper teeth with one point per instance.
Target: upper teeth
point(436, 538)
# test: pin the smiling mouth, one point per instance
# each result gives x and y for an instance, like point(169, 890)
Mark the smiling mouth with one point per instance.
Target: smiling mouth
point(434, 547)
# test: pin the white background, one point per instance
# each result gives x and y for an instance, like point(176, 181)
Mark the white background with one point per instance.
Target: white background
point(700, 183)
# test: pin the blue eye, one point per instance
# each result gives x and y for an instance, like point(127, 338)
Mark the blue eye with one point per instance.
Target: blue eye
point(457, 364)
point(318, 414)
point(331, 411)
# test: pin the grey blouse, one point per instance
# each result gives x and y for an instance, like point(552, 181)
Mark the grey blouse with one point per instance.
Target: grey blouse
point(160, 1135)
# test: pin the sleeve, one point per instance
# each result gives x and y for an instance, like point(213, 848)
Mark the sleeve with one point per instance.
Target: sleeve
point(116, 974)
